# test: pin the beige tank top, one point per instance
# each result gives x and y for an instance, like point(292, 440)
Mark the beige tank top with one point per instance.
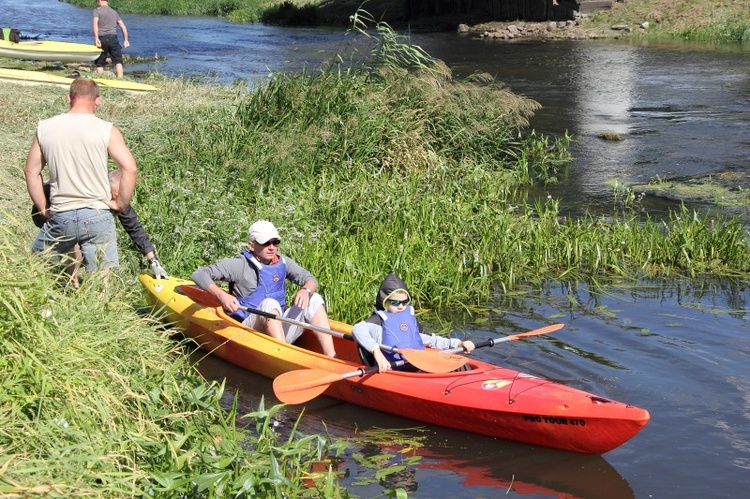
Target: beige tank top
point(75, 149)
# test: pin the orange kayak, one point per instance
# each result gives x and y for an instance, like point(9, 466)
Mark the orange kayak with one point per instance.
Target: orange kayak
point(486, 399)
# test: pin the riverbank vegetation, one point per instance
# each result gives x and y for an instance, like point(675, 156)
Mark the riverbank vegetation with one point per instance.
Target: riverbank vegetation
point(98, 401)
point(234, 10)
point(720, 20)
point(383, 162)
point(386, 162)
point(288, 12)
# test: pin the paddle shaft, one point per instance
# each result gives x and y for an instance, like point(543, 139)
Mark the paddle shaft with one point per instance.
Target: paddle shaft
point(490, 342)
point(207, 299)
point(364, 370)
point(307, 325)
point(424, 359)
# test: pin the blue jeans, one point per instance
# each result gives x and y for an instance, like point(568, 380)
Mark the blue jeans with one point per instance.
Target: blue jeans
point(93, 230)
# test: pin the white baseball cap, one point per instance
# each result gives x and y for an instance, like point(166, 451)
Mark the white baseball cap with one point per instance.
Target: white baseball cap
point(262, 231)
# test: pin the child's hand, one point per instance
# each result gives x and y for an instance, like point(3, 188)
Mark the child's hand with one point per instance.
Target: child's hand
point(383, 364)
point(468, 346)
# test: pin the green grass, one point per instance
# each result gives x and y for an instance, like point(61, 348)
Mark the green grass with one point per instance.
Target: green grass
point(282, 12)
point(379, 168)
point(722, 21)
point(386, 163)
point(235, 10)
point(96, 400)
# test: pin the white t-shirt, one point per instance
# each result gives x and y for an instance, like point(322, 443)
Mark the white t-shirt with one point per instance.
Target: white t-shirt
point(75, 148)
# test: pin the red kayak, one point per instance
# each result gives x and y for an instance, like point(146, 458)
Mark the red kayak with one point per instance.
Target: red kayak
point(486, 399)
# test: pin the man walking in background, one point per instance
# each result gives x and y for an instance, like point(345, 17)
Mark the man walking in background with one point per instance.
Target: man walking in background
point(105, 23)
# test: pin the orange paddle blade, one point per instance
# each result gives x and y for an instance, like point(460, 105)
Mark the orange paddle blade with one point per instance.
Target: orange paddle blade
point(432, 361)
point(297, 387)
point(542, 330)
point(199, 296)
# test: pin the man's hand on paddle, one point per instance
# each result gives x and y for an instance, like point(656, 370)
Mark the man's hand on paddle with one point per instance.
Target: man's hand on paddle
point(228, 302)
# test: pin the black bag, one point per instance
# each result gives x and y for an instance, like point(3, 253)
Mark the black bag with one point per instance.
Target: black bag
point(10, 34)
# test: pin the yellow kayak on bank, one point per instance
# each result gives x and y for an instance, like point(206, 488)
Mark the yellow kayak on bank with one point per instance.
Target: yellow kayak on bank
point(49, 50)
point(22, 75)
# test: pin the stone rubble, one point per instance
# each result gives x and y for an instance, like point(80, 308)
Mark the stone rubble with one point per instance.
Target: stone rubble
point(520, 30)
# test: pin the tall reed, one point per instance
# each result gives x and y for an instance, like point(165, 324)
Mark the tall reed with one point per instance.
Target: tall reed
point(98, 401)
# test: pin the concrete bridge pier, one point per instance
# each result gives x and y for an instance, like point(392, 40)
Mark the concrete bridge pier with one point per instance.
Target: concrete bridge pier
point(505, 10)
point(589, 6)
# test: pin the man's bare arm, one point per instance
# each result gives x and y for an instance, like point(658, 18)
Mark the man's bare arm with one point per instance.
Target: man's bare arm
point(124, 160)
point(33, 172)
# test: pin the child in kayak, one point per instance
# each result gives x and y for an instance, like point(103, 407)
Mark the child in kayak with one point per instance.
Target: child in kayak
point(393, 323)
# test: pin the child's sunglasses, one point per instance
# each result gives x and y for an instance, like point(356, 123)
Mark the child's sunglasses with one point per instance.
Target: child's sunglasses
point(396, 303)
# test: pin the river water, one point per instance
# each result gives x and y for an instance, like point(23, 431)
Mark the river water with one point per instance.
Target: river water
point(679, 349)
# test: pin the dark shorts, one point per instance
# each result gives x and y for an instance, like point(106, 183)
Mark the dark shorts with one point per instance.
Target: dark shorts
point(110, 47)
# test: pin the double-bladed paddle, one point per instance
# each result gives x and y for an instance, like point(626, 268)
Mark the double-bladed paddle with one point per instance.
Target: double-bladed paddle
point(490, 342)
point(297, 387)
point(430, 361)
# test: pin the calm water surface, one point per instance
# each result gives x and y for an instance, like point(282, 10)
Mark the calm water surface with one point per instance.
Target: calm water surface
point(680, 350)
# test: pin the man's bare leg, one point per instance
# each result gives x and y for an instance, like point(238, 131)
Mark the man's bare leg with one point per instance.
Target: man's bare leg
point(274, 328)
point(76, 259)
point(320, 319)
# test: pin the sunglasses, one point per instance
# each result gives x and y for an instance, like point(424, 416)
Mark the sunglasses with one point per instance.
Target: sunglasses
point(275, 242)
point(396, 303)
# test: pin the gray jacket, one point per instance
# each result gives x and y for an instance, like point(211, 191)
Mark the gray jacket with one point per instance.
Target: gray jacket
point(242, 277)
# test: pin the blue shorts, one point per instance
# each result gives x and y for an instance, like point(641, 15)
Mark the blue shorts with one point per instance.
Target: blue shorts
point(93, 230)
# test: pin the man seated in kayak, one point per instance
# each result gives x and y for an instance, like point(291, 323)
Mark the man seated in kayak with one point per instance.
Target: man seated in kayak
point(129, 220)
point(257, 279)
point(393, 323)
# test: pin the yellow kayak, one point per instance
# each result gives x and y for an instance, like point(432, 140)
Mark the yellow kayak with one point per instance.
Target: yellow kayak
point(41, 77)
point(48, 50)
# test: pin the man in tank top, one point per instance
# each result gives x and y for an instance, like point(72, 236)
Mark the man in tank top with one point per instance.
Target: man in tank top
point(105, 22)
point(75, 147)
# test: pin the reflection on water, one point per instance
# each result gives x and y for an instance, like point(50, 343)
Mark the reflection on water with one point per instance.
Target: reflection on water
point(605, 84)
point(448, 462)
point(526, 471)
point(605, 96)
